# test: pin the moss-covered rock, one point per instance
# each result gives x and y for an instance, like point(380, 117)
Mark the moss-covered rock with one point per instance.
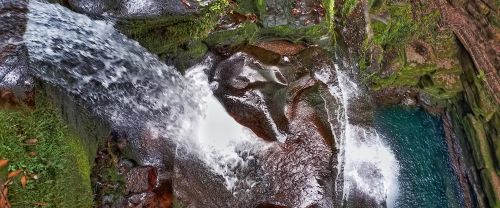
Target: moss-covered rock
point(163, 35)
point(251, 33)
point(406, 48)
point(187, 55)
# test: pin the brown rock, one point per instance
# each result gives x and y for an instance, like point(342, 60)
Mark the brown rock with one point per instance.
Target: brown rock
point(282, 47)
point(141, 179)
point(468, 30)
point(419, 52)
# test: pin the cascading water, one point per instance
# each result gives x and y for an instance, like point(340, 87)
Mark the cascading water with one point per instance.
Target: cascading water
point(366, 166)
point(219, 137)
point(119, 79)
point(133, 90)
point(123, 83)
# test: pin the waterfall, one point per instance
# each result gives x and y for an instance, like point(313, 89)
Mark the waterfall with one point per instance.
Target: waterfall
point(123, 83)
point(132, 89)
point(365, 165)
point(115, 75)
point(219, 138)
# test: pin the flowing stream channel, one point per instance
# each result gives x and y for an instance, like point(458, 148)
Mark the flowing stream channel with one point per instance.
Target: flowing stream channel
point(125, 84)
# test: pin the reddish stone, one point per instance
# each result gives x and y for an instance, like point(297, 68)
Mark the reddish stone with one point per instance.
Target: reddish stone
point(141, 179)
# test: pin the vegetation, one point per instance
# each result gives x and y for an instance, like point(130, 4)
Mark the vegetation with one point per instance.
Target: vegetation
point(349, 6)
point(53, 162)
point(393, 35)
point(252, 33)
point(163, 35)
point(330, 14)
point(107, 182)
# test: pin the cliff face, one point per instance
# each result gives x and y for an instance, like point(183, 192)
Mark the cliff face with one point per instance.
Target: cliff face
point(442, 55)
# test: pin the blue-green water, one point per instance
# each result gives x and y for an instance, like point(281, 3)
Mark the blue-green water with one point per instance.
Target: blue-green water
point(426, 177)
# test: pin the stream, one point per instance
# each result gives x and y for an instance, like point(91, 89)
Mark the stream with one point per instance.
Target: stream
point(401, 161)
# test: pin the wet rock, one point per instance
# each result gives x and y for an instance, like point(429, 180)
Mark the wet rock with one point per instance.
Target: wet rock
point(301, 166)
point(394, 96)
point(195, 184)
point(242, 75)
point(427, 102)
point(275, 101)
point(362, 200)
point(137, 8)
point(147, 200)
point(409, 101)
point(265, 56)
point(141, 179)
point(297, 14)
point(93, 7)
point(353, 28)
point(281, 47)
point(13, 54)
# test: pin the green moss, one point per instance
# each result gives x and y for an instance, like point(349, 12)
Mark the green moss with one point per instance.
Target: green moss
point(251, 33)
point(257, 7)
point(61, 162)
point(398, 30)
point(315, 34)
point(482, 154)
point(478, 98)
point(330, 14)
point(261, 8)
point(393, 37)
point(349, 6)
point(246, 33)
point(163, 35)
point(445, 85)
point(195, 50)
point(401, 26)
point(406, 76)
point(375, 4)
point(185, 56)
point(110, 182)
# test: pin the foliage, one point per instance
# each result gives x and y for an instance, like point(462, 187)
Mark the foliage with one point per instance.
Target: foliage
point(402, 26)
point(349, 6)
point(57, 159)
point(251, 33)
point(166, 34)
point(330, 13)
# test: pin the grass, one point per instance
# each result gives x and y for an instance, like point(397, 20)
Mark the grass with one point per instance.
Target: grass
point(61, 161)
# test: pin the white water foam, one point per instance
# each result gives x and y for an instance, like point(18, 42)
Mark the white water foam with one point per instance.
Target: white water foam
point(131, 88)
point(365, 163)
point(217, 135)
